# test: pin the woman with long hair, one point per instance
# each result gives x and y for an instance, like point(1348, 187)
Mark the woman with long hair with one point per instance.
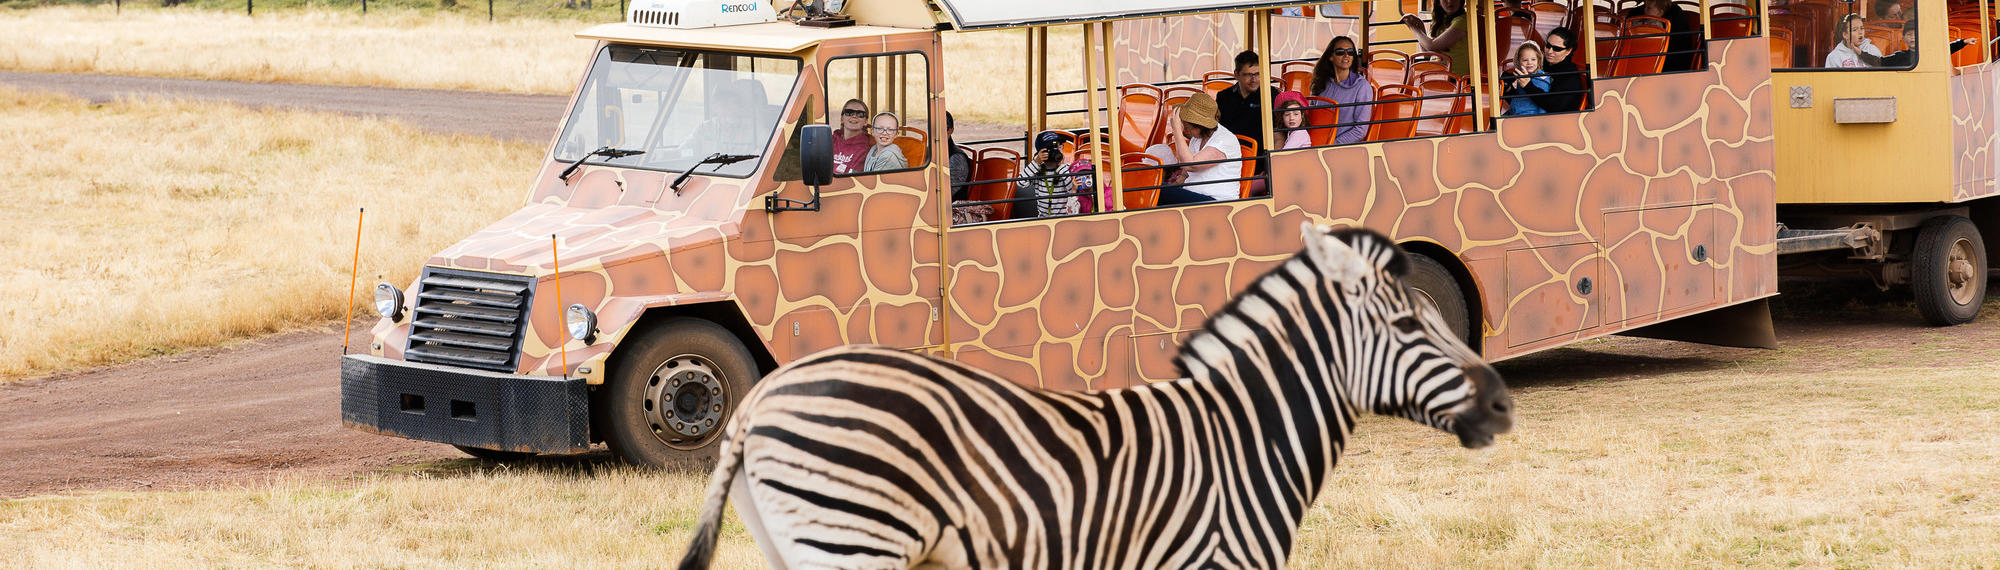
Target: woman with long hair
point(1337, 76)
point(1446, 34)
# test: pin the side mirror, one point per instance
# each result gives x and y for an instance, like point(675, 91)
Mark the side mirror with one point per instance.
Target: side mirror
point(816, 154)
point(815, 169)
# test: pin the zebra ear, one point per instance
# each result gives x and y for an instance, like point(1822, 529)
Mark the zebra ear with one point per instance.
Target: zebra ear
point(1341, 262)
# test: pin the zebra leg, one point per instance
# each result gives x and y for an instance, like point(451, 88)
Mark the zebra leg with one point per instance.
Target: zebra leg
point(746, 509)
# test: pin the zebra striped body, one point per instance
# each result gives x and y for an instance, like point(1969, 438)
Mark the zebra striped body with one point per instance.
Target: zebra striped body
point(873, 458)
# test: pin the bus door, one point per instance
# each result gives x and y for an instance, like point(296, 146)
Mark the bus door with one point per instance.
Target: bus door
point(864, 269)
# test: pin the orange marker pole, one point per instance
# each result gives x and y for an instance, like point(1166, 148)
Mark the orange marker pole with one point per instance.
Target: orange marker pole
point(562, 312)
point(351, 278)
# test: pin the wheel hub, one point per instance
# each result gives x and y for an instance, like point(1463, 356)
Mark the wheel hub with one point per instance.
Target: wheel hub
point(1960, 272)
point(685, 401)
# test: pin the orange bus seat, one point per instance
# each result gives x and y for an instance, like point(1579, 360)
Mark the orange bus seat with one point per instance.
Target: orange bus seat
point(1461, 108)
point(1388, 71)
point(1229, 76)
point(1323, 118)
point(1214, 86)
point(1426, 61)
point(1149, 178)
point(1300, 81)
point(913, 150)
point(1177, 94)
point(1781, 52)
point(1393, 102)
point(1249, 165)
point(1731, 21)
point(992, 166)
point(1549, 16)
point(1435, 113)
point(1653, 49)
point(1138, 115)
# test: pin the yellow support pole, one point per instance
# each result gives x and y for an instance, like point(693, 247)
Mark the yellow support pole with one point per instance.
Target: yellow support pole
point(1090, 110)
point(1588, 36)
point(1116, 97)
point(1475, 31)
point(1260, 22)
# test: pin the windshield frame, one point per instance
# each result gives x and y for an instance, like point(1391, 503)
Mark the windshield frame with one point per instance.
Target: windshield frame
point(602, 55)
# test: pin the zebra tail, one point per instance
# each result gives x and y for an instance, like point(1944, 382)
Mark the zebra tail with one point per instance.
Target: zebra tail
point(701, 551)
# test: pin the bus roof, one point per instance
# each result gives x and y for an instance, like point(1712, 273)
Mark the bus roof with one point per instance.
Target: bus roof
point(986, 14)
point(771, 38)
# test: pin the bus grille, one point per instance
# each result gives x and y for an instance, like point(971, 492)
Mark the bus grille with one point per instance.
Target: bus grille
point(469, 319)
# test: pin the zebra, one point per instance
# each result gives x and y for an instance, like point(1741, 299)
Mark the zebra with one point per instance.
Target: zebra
point(867, 457)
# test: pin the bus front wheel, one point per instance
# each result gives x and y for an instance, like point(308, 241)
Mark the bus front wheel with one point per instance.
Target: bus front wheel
point(1948, 271)
point(1431, 280)
point(671, 393)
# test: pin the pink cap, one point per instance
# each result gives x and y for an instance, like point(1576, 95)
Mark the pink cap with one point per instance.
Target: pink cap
point(1292, 96)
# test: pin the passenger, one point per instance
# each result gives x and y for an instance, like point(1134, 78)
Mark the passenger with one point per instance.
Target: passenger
point(850, 141)
point(1050, 174)
point(1854, 50)
point(1238, 105)
point(1447, 30)
point(1337, 76)
point(1526, 81)
point(1194, 134)
point(1678, 21)
point(1293, 116)
point(960, 165)
point(886, 155)
point(1887, 10)
point(1907, 56)
point(1566, 88)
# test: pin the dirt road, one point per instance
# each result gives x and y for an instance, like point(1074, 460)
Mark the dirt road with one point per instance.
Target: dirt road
point(529, 118)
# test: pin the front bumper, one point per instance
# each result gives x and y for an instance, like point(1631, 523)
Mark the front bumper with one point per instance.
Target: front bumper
point(464, 407)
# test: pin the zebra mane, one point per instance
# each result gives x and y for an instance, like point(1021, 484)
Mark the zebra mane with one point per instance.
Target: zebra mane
point(1378, 250)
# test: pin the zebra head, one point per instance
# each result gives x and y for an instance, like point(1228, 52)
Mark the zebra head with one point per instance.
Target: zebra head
point(1401, 358)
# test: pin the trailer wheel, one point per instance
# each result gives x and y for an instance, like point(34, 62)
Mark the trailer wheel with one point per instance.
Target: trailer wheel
point(493, 455)
point(1948, 271)
point(671, 392)
point(1430, 279)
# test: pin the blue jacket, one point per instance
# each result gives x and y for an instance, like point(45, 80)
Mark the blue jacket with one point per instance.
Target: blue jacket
point(1519, 101)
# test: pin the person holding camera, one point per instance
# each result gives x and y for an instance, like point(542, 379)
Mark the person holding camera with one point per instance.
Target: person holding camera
point(1063, 187)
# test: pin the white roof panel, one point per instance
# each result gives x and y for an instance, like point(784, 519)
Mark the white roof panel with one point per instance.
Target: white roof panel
point(978, 14)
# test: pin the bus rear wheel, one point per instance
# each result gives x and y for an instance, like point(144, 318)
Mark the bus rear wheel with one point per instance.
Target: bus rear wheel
point(1430, 279)
point(671, 393)
point(1948, 271)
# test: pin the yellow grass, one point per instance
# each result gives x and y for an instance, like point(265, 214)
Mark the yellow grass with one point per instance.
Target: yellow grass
point(141, 227)
point(1801, 458)
point(395, 49)
point(984, 78)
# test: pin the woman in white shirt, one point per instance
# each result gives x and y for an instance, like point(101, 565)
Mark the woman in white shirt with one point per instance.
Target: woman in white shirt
point(1194, 135)
point(1854, 50)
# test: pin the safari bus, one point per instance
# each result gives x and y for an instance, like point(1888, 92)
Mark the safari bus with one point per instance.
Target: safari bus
point(737, 184)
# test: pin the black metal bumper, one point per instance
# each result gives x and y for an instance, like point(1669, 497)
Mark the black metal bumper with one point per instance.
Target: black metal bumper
point(471, 408)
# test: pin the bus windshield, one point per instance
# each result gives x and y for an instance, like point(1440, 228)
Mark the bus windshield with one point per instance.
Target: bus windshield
point(677, 107)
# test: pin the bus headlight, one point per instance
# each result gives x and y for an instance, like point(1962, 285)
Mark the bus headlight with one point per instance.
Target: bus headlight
point(389, 301)
point(582, 323)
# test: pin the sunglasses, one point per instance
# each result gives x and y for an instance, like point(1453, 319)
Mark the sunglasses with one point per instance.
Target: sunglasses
point(853, 113)
point(1553, 47)
point(1346, 51)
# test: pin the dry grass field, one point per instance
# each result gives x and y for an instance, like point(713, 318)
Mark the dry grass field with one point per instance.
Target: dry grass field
point(1627, 453)
point(143, 227)
point(425, 50)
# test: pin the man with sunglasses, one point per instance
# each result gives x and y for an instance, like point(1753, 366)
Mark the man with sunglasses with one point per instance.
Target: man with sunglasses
point(1566, 87)
point(851, 141)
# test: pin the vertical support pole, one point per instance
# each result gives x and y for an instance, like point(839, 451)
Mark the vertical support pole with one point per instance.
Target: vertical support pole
point(1985, 36)
point(1116, 98)
point(1484, 40)
point(489, 11)
point(1589, 41)
point(1366, 41)
point(1028, 93)
point(1090, 98)
point(1707, 31)
point(1041, 57)
point(1260, 22)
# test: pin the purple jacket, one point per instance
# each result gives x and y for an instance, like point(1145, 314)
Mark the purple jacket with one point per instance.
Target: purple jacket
point(1356, 89)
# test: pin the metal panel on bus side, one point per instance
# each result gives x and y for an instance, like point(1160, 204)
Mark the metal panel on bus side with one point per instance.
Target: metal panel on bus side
point(1657, 262)
point(1555, 292)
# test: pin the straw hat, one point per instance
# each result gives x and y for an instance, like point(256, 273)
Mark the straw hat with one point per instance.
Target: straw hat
point(1199, 110)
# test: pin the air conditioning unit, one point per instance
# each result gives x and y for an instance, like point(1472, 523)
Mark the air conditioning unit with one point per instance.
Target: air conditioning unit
point(687, 14)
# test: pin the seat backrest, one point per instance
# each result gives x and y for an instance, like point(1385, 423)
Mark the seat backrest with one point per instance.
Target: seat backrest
point(1429, 61)
point(1177, 94)
point(1461, 109)
point(1394, 102)
point(1229, 76)
point(1607, 48)
point(995, 166)
point(1321, 118)
point(1731, 20)
point(913, 150)
point(1138, 115)
point(1385, 71)
point(1300, 81)
point(1249, 164)
point(1970, 56)
point(1436, 113)
point(1781, 52)
point(1637, 25)
point(1887, 37)
point(1549, 16)
point(1149, 178)
point(1301, 65)
point(1653, 49)
point(1213, 86)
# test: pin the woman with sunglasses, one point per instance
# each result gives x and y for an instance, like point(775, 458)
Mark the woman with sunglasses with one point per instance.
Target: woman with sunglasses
point(1337, 76)
point(851, 141)
point(1566, 86)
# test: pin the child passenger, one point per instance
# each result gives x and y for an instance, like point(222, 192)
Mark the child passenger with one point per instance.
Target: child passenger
point(886, 155)
point(1051, 173)
point(1292, 116)
point(1526, 81)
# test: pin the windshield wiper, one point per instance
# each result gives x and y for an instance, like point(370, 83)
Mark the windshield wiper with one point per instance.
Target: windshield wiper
point(605, 151)
point(717, 159)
